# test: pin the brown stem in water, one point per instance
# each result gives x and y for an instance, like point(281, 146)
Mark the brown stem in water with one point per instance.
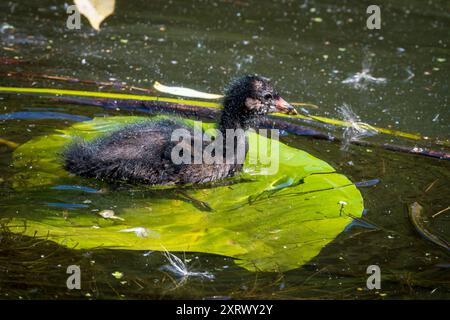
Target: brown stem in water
point(113, 84)
point(212, 113)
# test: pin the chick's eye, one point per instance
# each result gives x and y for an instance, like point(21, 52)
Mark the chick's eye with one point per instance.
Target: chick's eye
point(267, 96)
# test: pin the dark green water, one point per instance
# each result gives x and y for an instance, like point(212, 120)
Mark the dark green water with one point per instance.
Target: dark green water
point(204, 44)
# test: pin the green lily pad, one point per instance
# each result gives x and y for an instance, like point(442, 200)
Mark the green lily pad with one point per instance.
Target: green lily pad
point(267, 222)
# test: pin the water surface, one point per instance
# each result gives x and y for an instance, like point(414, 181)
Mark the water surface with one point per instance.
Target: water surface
point(309, 49)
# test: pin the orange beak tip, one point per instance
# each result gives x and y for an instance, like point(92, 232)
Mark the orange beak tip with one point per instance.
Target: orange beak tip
point(283, 107)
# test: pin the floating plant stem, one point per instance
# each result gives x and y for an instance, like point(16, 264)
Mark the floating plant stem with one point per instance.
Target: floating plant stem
point(11, 144)
point(440, 212)
point(212, 113)
point(213, 105)
point(112, 84)
point(211, 110)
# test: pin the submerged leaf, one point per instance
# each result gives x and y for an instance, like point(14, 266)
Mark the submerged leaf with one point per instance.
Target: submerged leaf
point(415, 212)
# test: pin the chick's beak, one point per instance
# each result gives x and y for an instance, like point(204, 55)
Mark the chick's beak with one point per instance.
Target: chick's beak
point(283, 106)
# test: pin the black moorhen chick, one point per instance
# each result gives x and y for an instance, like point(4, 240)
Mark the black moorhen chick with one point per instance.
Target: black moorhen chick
point(141, 153)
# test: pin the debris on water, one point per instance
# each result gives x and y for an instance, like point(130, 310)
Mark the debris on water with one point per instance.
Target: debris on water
point(439, 212)
point(5, 26)
point(117, 274)
point(356, 129)
point(415, 212)
point(218, 298)
point(361, 222)
point(367, 183)
point(360, 79)
point(410, 74)
point(142, 232)
point(109, 214)
point(431, 185)
point(96, 11)
point(436, 118)
point(179, 268)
